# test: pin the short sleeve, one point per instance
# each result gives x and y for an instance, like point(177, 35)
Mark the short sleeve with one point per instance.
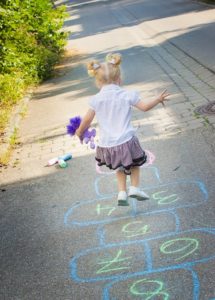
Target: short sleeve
point(92, 103)
point(134, 97)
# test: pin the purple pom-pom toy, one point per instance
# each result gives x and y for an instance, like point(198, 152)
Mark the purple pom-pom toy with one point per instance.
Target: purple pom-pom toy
point(88, 135)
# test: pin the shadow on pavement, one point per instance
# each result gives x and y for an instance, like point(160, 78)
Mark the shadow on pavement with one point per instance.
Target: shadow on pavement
point(56, 228)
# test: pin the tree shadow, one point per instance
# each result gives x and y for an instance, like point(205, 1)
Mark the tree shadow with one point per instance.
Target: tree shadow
point(89, 15)
point(136, 60)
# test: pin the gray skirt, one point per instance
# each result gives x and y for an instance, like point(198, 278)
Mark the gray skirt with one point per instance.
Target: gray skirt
point(124, 156)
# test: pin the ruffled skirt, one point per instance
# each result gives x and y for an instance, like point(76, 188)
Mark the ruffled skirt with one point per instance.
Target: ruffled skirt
point(124, 156)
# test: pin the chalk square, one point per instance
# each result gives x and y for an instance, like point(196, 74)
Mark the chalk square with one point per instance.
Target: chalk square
point(98, 211)
point(171, 284)
point(176, 194)
point(107, 263)
point(186, 248)
point(141, 227)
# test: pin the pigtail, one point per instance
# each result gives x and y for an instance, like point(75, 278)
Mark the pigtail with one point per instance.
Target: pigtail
point(92, 68)
point(114, 59)
point(107, 72)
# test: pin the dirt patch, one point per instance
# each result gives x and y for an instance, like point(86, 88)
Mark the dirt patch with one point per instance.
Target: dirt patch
point(68, 59)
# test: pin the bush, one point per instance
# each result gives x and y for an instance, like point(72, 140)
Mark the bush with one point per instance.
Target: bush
point(12, 89)
point(30, 44)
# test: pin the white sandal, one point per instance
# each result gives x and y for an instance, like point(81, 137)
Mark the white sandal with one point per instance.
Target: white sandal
point(122, 199)
point(135, 192)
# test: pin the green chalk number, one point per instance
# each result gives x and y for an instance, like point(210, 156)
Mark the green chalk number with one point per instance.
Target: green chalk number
point(149, 289)
point(159, 196)
point(130, 231)
point(182, 247)
point(115, 264)
point(108, 209)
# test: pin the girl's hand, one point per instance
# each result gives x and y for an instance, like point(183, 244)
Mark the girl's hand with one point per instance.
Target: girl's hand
point(162, 97)
point(85, 123)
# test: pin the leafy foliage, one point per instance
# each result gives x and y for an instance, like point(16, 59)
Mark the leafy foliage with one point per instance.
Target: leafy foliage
point(30, 44)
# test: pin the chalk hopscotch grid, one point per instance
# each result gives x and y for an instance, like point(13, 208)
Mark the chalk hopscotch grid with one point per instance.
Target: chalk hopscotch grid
point(144, 241)
point(200, 185)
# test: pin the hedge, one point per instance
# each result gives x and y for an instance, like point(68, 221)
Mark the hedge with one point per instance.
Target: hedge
point(30, 44)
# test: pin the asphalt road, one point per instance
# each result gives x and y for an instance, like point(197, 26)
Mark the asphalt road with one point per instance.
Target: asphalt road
point(63, 236)
point(189, 25)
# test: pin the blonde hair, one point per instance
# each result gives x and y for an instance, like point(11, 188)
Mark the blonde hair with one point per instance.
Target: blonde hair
point(106, 72)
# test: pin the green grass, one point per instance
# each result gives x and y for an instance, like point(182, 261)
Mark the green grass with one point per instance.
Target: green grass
point(5, 157)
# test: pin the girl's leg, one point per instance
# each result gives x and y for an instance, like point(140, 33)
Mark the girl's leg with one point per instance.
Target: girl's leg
point(134, 190)
point(135, 176)
point(121, 182)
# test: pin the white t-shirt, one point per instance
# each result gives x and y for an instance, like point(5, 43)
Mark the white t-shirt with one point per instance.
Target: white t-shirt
point(112, 106)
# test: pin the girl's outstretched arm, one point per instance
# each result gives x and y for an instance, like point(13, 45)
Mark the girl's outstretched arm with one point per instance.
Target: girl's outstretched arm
point(147, 106)
point(85, 123)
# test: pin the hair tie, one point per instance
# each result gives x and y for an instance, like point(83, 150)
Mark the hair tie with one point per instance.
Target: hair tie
point(111, 60)
point(96, 66)
point(93, 67)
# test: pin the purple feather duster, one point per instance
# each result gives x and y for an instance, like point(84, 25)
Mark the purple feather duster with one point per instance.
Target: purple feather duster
point(88, 135)
point(74, 124)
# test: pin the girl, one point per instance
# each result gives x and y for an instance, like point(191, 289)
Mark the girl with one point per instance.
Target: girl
point(119, 148)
